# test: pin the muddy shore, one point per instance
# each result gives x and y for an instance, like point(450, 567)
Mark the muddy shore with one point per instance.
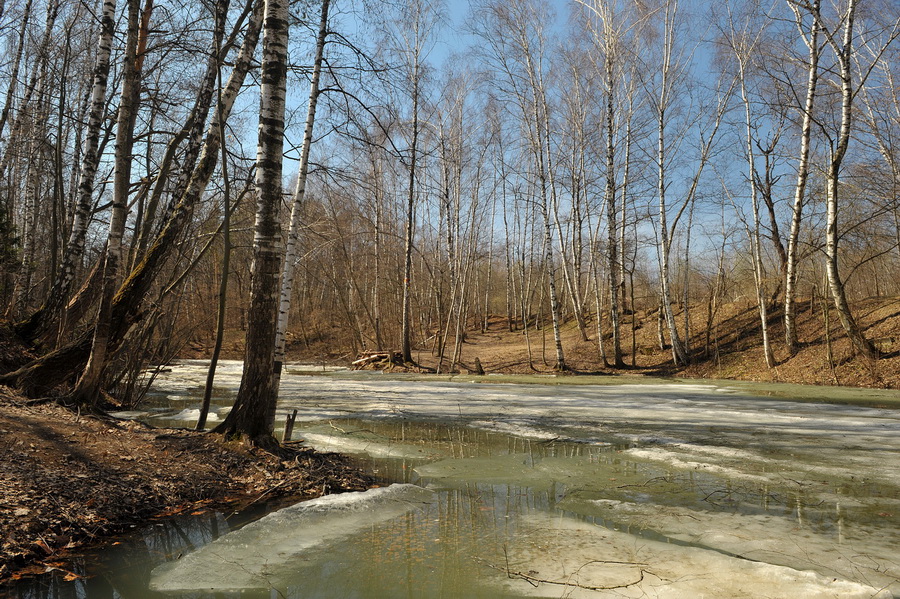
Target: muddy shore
point(68, 481)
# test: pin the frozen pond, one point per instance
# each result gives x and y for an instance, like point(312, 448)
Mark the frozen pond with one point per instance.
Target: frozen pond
point(644, 489)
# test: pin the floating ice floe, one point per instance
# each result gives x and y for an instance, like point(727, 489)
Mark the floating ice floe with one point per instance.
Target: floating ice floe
point(260, 554)
point(363, 446)
point(764, 538)
point(189, 414)
point(522, 429)
point(562, 557)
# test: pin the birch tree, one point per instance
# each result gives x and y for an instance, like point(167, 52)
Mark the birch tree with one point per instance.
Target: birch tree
point(253, 414)
point(609, 31)
point(672, 68)
point(87, 389)
point(841, 37)
point(50, 311)
point(744, 45)
point(514, 34)
point(291, 250)
point(663, 99)
point(810, 36)
point(57, 366)
point(413, 39)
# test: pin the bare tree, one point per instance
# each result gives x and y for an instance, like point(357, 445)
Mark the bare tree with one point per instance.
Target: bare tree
point(59, 365)
point(253, 414)
point(50, 311)
point(291, 250)
point(88, 387)
point(744, 45)
point(514, 34)
point(840, 37)
point(811, 40)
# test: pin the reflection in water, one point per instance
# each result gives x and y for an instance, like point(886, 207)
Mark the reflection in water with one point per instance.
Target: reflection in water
point(528, 514)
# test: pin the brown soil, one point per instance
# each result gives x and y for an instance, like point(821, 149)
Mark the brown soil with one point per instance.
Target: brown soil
point(737, 354)
point(67, 480)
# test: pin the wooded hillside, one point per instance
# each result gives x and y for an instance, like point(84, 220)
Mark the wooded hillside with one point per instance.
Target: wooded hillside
point(421, 177)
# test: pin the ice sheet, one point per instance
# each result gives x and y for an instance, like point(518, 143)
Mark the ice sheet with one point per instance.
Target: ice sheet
point(259, 554)
point(518, 428)
point(522, 470)
point(842, 463)
point(767, 538)
point(375, 449)
point(562, 557)
point(191, 415)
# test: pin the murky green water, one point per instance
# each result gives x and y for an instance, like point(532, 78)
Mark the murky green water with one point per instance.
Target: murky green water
point(519, 492)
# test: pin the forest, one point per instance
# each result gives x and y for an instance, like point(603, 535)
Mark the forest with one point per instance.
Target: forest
point(346, 176)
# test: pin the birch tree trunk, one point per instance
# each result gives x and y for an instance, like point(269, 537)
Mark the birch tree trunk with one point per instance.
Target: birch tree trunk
point(14, 76)
point(414, 49)
point(790, 276)
point(679, 353)
point(88, 387)
point(612, 249)
point(39, 321)
point(253, 414)
point(406, 316)
point(54, 368)
point(844, 53)
point(754, 234)
point(290, 255)
point(607, 40)
point(743, 49)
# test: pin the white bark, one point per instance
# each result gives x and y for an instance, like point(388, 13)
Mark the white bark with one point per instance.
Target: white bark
point(843, 50)
point(291, 250)
point(679, 353)
point(62, 283)
point(790, 277)
point(253, 414)
point(88, 385)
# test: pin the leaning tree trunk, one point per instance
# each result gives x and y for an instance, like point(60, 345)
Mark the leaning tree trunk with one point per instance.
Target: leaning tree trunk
point(88, 387)
point(61, 365)
point(221, 309)
point(39, 321)
point(832, 182)
point(253, 414)
point(790, 275)
point(290, 254)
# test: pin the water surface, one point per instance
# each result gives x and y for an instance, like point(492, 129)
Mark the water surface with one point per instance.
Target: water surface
point(651, 488)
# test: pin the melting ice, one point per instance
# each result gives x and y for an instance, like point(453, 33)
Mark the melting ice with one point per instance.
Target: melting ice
point(259, 555)
point(619, 490)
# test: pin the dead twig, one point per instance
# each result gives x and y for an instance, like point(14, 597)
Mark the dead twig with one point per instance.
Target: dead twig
point(535, 581)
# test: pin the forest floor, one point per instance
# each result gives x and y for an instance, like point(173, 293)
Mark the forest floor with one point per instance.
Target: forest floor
point(68, 480)
point(732, 350)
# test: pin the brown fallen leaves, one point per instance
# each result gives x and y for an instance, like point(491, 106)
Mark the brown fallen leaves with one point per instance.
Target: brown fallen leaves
point(68, 480)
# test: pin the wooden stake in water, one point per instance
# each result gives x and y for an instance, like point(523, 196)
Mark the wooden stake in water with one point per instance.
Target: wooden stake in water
point(289, 427)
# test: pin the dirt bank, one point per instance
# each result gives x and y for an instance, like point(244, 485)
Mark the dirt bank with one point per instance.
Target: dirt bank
point(67, 480)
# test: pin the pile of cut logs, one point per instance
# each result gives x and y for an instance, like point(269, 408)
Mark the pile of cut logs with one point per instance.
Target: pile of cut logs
point(376, 360)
